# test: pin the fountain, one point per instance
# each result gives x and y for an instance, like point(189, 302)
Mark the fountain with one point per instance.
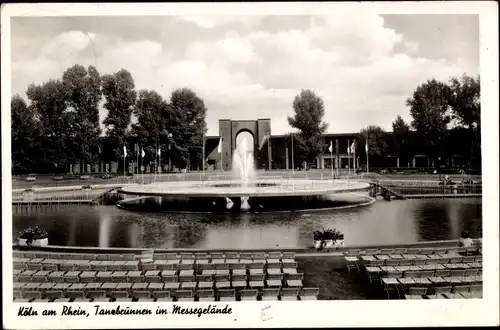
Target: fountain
point(245, 192)
point(243, 170)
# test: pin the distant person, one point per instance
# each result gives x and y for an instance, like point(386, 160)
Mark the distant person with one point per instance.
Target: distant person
point(465, 241)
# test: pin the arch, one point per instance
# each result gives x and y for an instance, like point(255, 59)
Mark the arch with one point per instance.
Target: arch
point(244, 130)
point(230, 129)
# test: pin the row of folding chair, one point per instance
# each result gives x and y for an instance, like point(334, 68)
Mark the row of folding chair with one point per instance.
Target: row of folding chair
point(70, 264)
point(398, 285)
point(427, 277)
point(166, 276)
point(74, 256)
point(79, 265)
point(137, 276)
point(157, 256)
point(426, 263)
point(431, 273)
point(429, 261)
point(456, 292)
point(470, 267)
point(180, 295)
point(225, 255)
point(223, 264)
point(389, 251)
point(448, 292)
point(78, 276)
point(192, 284)
point(174, 259)
point(252, 268)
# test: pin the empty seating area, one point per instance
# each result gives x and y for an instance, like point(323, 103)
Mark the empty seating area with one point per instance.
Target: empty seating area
point(229, 276)
point(438, 273)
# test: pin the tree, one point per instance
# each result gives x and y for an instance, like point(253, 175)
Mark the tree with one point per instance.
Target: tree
point(377, 144)
point(82, 89)
point(465, 100)
point(401, 139)
point(150, 110)
point(48, 103)
point(465, 104)
point(25, 132)
point(429, 107)
point(186, 123)
point(308, 120)
point(120, 96)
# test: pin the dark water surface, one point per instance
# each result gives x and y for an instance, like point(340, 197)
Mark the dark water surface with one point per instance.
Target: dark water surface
point(395, 222)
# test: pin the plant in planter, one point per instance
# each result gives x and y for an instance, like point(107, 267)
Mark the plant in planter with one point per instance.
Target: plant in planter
point(34, 237)
point(328, 238)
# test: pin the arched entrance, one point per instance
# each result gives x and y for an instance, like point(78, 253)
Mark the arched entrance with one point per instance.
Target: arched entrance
point(244, 149)
point(260, 129)
point(245, 136)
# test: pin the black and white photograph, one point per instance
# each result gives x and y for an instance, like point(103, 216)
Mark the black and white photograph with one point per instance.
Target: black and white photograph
point(211, 160)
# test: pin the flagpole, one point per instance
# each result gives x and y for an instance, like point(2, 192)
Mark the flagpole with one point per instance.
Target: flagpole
point(136, 148)
point(142, 162)
point(354, 161)
point(159, 162)
point(331, 157)
point(367, 163)
point(154, 169)
point(203, 156)
point(124, 156)
point(348, 158)
point(293, 165)
point(337, 160)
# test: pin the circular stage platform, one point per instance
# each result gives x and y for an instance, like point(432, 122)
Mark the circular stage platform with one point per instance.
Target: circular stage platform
point(260, 195)
point(257, 188)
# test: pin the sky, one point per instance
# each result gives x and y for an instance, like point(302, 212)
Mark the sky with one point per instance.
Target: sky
point(364, 66)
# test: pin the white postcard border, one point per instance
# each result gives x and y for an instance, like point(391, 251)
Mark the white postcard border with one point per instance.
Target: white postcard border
point(281, 314)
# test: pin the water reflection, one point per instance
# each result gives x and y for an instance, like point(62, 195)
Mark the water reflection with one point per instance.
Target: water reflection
point(134, 233)
point(433, 220)
point(104, 230)
point(381, 223)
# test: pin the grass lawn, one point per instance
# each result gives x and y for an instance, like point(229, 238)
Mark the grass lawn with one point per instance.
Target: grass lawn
point(333, 280)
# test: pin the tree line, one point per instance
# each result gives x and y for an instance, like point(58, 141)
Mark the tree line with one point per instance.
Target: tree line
point(446, 117)
point(59, 125)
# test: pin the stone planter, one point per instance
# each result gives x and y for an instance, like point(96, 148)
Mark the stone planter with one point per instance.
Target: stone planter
point(35, 242)
point(329, 244)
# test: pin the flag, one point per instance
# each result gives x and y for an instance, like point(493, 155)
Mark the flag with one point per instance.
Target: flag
point(353, 148)
point(219, 148)
point(348, 150)
point(124, 151)
point(331, 147)
point(366, 146)
point(143, 153)
point(159, 152)
point(264, 139)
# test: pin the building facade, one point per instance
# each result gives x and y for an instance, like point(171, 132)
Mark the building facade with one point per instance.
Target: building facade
point(279, 152)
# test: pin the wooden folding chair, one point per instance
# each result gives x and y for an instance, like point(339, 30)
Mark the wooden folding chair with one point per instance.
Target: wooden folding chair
point(206, 295)
point(290, 294)
point(163, 296)
point(248, 295)
point(227, 295)
point(270, 294)
point(416, 293)
point(309, 294)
